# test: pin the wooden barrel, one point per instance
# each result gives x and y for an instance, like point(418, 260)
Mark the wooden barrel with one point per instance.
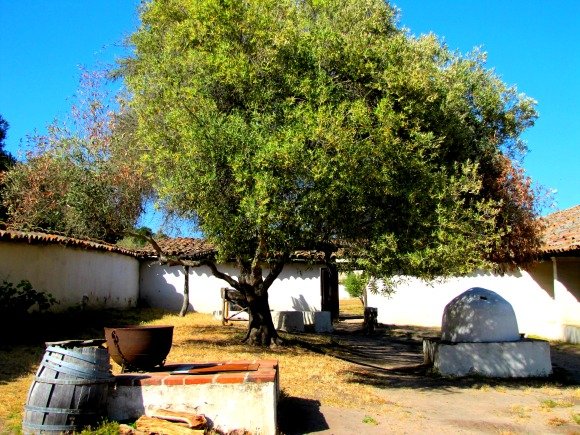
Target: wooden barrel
point(69, 391)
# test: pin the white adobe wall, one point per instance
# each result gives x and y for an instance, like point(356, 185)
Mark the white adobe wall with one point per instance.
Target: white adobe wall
point(539, 307)
point(567, 288)
point(162, 287)
point(109, 280)
point(296, 288)
point(342, 293)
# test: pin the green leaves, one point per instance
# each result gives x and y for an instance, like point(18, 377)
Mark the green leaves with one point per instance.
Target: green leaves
point(284, 124)
point(84, 182)
point(17, 300)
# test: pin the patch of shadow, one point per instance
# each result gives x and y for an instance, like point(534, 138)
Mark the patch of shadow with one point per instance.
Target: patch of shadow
point(392, 357)
point(17, 361)
point(566, 362)
point(423, 377)
point(485, 426)
point(23, 341)
point(300, 416)
point(565, 375)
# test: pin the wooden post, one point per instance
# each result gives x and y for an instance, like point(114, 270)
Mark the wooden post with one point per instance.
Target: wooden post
point(225, 307)
point(370, 321)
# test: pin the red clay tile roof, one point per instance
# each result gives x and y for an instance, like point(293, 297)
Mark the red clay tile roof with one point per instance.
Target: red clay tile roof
point(37, 238)
point(192, 249)
point(562, 233)
point(180, 247)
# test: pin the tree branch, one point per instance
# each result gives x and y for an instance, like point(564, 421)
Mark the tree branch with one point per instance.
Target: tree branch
point(164, 258)
point(218, 274)
point(275, 271)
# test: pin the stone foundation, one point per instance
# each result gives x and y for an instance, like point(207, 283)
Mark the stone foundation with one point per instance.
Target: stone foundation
point(515, 359)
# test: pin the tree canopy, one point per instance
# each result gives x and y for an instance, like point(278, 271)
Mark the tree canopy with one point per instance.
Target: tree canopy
point(283, 125)
point(6, 161)
point(80, 179)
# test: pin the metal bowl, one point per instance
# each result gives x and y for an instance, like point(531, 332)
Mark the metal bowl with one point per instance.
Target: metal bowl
point(139, 347)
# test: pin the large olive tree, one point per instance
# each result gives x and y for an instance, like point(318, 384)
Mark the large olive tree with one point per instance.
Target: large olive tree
point(279, 125)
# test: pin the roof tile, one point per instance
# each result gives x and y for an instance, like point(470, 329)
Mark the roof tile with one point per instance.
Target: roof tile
point(38, 238)
point(562, 232)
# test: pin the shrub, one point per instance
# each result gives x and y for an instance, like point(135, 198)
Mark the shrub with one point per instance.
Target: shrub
point(355, 284)
point(18, 300)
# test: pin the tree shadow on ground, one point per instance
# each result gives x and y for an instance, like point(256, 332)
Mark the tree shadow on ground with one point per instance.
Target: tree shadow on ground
point(297, 415)
point(392, 357)
point(291, 343)
point(423, 378)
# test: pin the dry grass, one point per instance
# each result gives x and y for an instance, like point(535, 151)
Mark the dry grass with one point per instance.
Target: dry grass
point(551, 403)
point(352, 306)
point(197, 338)
point(557, 421)
point(305, 371)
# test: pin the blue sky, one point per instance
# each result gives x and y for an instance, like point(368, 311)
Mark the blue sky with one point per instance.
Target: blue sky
point(531, 44)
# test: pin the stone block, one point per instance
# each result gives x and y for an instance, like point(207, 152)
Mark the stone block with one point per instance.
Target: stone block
point(572, 334)
point(288, 321)
point(319, 321)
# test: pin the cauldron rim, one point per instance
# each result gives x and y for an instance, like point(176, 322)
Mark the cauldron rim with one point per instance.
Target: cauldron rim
point(140, 327)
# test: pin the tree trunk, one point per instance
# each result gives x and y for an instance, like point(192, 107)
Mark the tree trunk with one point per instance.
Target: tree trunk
point(261, 330)
point(254, 287)
point(185, 303)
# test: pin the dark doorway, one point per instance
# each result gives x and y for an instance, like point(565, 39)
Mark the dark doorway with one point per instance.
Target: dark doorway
point(329, 290)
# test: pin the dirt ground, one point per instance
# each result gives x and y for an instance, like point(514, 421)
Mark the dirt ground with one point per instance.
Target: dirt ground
point(419, 402)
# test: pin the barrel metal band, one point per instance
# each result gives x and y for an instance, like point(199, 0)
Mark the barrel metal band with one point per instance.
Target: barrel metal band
point(68, 352)
point(59, 410)
point(74, 381)
point(73, 369)
point(52, 427)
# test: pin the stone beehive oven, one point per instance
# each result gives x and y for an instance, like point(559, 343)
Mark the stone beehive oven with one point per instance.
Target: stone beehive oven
point(479, 335)
point(479, 315)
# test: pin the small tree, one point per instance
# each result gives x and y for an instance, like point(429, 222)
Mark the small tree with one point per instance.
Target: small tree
point(17, 300)
point(6, 159)
point(81, 181)
point(355, 285)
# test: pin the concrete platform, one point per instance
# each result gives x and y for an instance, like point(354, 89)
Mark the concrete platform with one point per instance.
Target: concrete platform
point(572, 334)
point(288, 321)
point(229, 400)
point(515, 359)
point(321, 321)
point(300, 321)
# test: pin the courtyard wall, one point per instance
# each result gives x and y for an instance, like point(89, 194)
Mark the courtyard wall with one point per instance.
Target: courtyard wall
point(544, 298)
point(74, 276)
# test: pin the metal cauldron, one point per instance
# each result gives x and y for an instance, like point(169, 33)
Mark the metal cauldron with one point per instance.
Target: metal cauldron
point(139, 347)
